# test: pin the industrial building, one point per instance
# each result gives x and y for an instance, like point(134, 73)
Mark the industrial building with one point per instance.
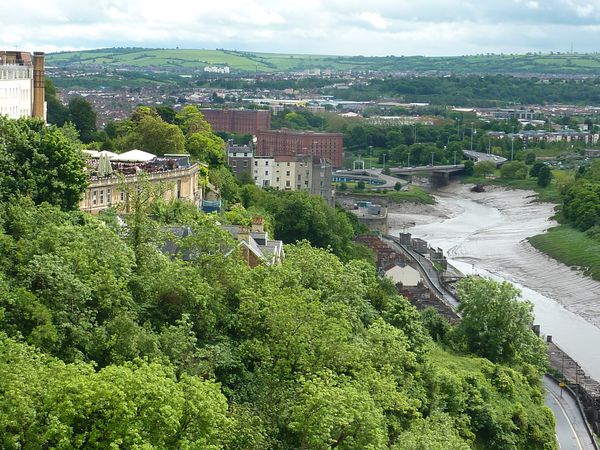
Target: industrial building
point(287, 142)
point(240, 121)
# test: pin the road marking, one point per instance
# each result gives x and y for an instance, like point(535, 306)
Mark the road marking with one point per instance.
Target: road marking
point(566, 417)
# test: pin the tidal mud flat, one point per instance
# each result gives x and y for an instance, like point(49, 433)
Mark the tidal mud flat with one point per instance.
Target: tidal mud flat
point(486, 233)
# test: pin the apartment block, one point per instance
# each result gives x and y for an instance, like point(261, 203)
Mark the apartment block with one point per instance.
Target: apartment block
point(22, 84)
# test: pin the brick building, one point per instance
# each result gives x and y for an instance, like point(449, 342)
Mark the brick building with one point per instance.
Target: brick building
point(241, 121)
point(293, 142)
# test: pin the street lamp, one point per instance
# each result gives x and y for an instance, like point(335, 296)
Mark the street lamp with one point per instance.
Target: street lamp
point(512, 148)
point(471, 136)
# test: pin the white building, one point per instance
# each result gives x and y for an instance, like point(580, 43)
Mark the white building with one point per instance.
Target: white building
point(263, 170)
point(22, 87)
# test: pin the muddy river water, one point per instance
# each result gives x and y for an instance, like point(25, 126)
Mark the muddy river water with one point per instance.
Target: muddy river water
point(485, 233)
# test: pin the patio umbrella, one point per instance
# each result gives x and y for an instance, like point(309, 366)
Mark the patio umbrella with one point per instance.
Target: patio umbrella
point(104, 167)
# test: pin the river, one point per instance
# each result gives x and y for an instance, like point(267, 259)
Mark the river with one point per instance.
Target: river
point(485, 233)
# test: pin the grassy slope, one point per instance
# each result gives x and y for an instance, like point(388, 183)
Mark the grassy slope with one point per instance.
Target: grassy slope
point(570, 247)
point(268, 62)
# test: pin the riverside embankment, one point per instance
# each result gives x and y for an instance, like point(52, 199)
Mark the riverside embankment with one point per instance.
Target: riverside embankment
point(485, 233)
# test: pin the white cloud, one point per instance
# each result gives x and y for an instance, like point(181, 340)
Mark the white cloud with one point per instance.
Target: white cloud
point(430, 27)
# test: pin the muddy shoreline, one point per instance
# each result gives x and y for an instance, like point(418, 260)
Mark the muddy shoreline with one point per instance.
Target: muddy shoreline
point(487, 233)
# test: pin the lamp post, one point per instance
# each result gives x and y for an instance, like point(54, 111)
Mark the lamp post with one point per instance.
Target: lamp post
point(408, 163)
point(454, 157)
point(371, 155)
point(432, 155)
point(472, 136)
point(384, 161)
point(512, 148)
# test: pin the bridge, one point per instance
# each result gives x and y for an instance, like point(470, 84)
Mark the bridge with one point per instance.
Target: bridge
point(478, 156)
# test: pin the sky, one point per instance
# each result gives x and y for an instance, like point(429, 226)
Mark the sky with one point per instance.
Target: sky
point(338, 27)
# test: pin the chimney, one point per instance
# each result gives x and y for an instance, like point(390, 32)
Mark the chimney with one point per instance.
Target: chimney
point(257, 224)
point(39, 86)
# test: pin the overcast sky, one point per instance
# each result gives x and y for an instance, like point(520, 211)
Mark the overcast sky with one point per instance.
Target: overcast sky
point(345, 27)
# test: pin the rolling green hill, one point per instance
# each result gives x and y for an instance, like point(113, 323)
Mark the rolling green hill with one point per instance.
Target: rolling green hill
point(186, 60)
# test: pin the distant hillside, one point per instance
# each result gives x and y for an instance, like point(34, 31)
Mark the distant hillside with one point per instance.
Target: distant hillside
point(248, 62)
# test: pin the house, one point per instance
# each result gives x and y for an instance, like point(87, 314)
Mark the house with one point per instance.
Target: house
point(255, 245)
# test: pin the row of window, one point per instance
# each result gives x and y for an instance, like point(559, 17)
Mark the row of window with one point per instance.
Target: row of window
point(104, 197)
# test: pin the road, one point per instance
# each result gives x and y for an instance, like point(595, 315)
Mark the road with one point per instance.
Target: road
point(478, 156)
point(571, 431)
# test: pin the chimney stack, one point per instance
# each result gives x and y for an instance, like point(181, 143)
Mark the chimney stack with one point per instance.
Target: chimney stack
point(39, 86)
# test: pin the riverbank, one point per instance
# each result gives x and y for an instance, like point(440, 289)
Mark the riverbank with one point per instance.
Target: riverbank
point(486, 234)
point(550, 194)
point(571, 247)
point(389, 198)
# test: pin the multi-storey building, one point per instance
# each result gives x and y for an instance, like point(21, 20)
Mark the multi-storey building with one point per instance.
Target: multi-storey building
point(292, 172)
point(293, 142)
point(175, 176)
point(241, 121)
point(22, 84)
point(263, 169)
point(239, 158)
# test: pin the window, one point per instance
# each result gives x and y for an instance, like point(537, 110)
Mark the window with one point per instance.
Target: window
point(245, 163)
point(287, 183)
point(102, 196)
point(122, 196)
point(256, 163)
point(277, 179)
point(233, 163)
point(266, 163)
point(108, 197)
point(288, 164)
point(266, 172)
point(287, 173)
point(94, 197)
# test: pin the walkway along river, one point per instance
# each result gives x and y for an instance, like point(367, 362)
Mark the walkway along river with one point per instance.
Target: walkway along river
point(485, 233)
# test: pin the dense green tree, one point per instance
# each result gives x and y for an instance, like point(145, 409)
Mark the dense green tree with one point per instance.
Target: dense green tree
point(535, 168)
point(544, 176)
point(469, 167)
point(496, 324)
point(83, 116)
point(56, 112)
point(40, 162)
point(153, 135)
point(207, 147)
point(484, 168)
point(514, 170)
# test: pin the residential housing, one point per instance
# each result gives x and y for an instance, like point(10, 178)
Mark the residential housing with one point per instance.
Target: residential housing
point(239, 158)
point(22, 84)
